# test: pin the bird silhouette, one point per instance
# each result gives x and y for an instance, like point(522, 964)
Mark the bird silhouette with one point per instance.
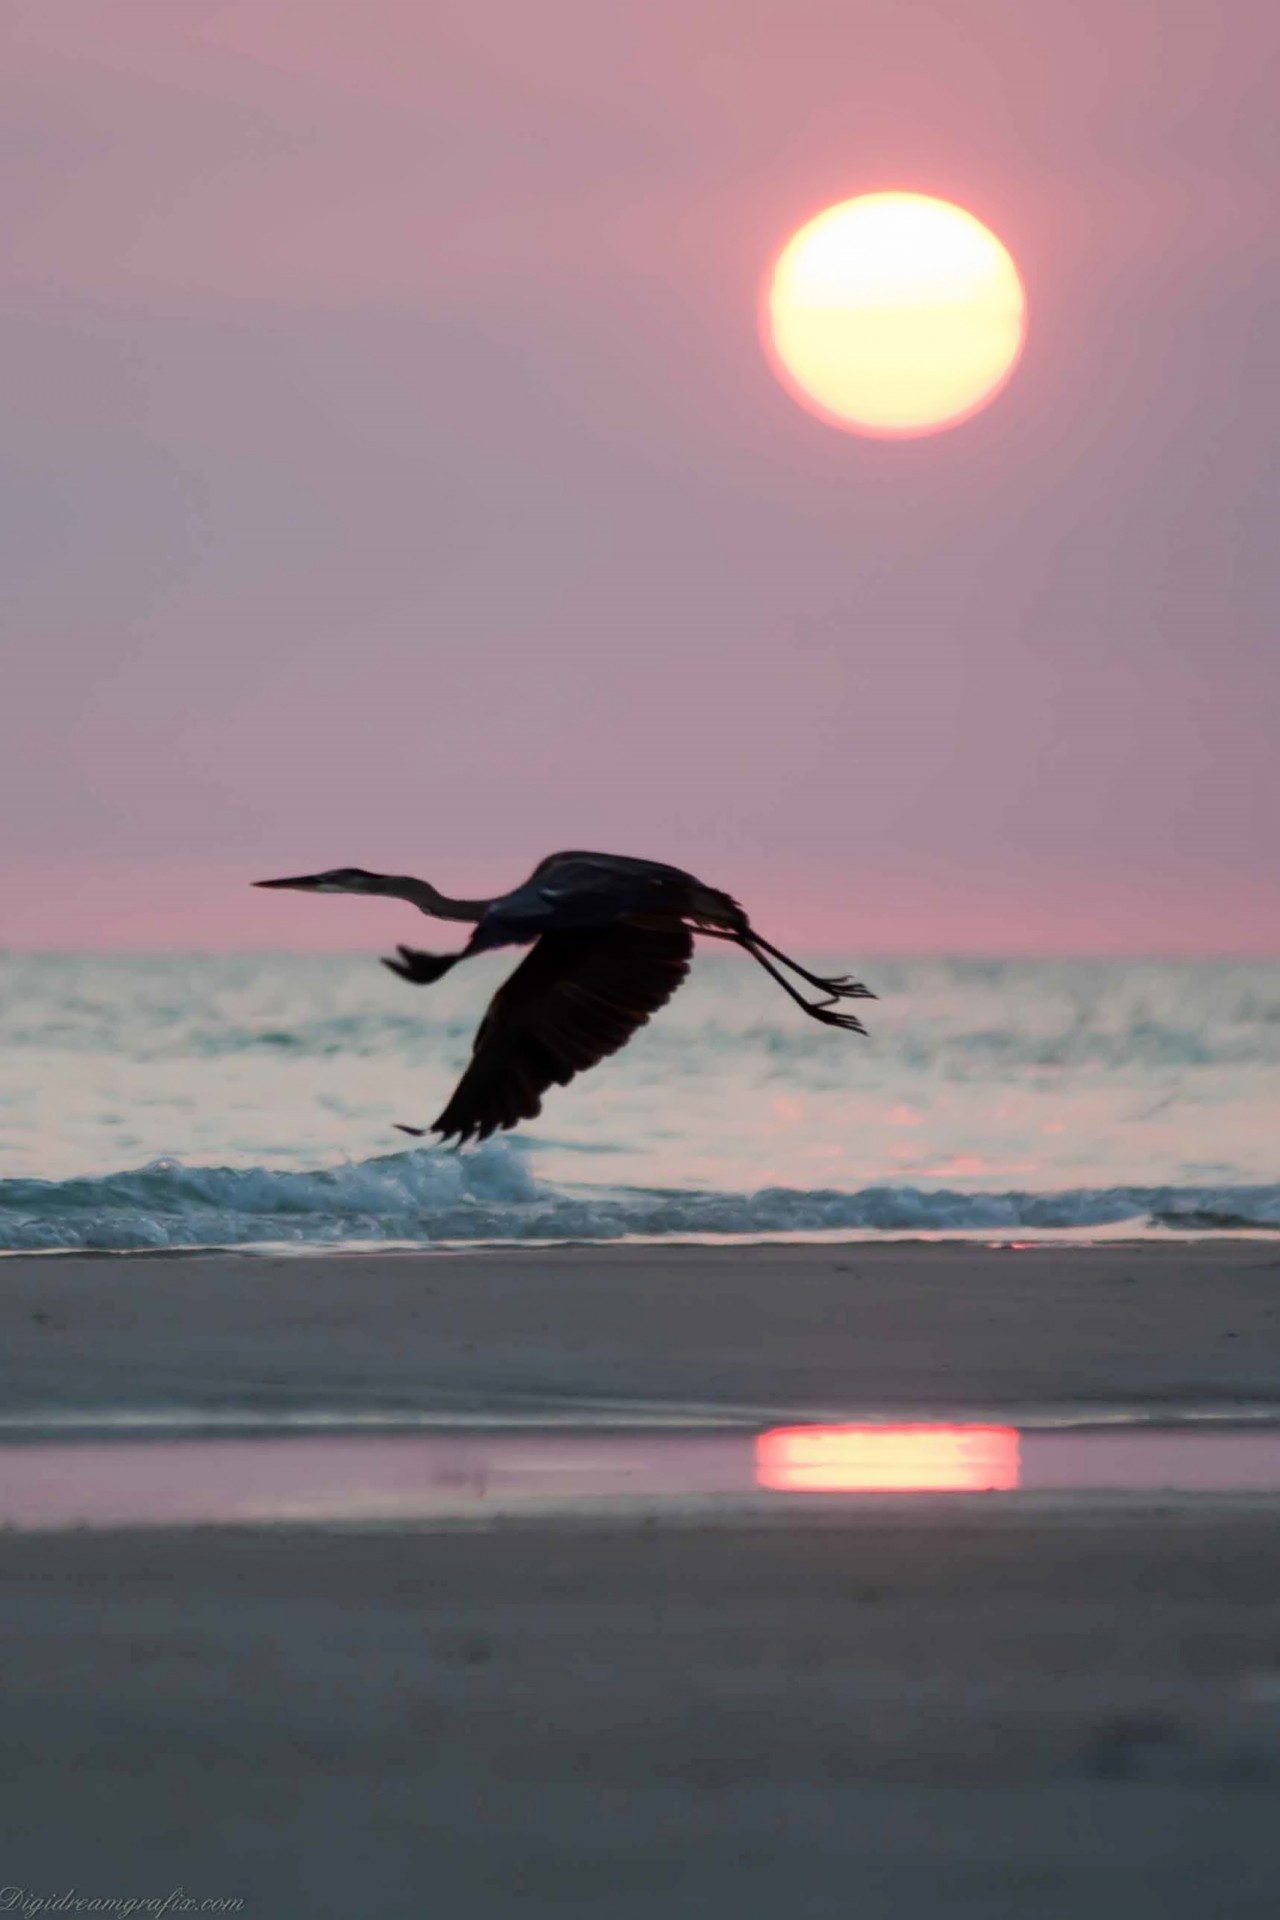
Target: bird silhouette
point(611, 940)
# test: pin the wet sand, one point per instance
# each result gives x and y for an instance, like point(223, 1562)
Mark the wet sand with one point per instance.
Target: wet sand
point(898, 1709)
point(767, 1330)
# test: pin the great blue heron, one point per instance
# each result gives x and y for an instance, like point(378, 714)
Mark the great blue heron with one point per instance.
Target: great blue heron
point(612, 939)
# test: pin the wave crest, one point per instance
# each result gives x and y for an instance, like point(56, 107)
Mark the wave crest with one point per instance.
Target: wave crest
point(428, 1197)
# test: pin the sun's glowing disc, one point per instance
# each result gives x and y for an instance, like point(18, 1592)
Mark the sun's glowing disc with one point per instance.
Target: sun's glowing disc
point(894, 315)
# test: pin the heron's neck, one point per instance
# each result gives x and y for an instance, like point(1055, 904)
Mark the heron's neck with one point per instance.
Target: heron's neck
point(428, 899)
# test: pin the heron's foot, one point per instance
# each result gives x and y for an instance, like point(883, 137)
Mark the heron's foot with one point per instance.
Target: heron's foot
point(420, 968)
point(821, 1010)
point(844, 987)
point(417, 1133)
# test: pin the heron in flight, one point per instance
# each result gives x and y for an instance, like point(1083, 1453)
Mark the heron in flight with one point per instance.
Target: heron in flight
point(611, 941)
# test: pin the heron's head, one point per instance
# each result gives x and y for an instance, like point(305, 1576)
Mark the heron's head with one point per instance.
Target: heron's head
point(336, 880)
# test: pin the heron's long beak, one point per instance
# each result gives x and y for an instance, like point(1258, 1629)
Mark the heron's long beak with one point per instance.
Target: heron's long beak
point(302, 883)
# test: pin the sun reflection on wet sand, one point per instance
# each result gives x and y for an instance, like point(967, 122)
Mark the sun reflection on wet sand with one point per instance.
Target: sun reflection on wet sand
point(907, 1459)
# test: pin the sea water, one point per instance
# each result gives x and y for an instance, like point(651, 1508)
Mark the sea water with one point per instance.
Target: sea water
point(184, 1101)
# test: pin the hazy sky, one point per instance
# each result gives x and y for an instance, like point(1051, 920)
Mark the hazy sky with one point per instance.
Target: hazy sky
point(392, 474)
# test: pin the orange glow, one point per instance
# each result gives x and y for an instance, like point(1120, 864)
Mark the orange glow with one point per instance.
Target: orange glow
point(917, 1459)
point(894, 315)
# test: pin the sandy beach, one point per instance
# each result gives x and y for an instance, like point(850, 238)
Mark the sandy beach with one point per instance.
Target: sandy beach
point(898, 1708)
point(758, 1330)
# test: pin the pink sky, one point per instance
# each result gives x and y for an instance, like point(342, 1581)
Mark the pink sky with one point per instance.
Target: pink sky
point(392, 474)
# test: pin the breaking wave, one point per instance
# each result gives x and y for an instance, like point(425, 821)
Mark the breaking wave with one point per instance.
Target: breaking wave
point(429, 1198)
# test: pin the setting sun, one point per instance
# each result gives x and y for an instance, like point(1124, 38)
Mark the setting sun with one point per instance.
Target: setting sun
point(894, 315)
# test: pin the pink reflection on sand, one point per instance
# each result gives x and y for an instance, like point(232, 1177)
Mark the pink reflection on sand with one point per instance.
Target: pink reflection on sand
point(1190, 1461)
point(328, 1479)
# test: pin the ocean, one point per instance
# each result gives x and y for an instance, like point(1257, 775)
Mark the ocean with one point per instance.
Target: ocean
point(249, 1101)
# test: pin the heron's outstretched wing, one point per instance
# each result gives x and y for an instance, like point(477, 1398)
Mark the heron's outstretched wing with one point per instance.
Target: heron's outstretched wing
point(577, 997)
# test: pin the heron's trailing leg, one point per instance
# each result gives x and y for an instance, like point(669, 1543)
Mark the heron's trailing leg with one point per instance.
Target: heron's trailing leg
point(421, 968)
point(841, 988)
point(816, 1009)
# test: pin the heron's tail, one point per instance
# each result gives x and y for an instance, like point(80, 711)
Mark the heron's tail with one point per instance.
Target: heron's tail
point(720, 910)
